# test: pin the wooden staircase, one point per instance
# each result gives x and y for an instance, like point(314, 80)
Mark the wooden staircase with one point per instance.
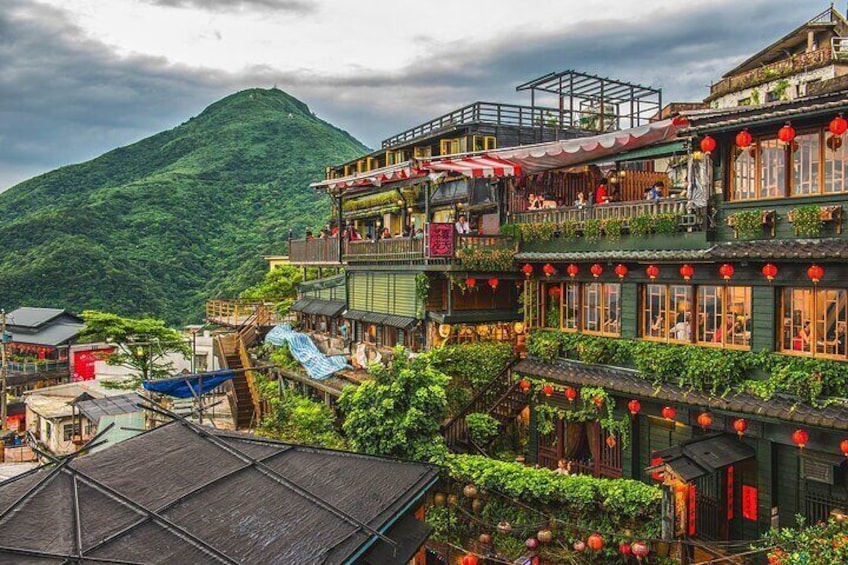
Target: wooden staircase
point(231, 350)
point(501, 398)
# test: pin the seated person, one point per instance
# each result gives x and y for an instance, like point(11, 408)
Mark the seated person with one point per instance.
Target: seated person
point(535, 202)
point(656, 191)
point(802, 339)
point(580, 202)
point(615, 195)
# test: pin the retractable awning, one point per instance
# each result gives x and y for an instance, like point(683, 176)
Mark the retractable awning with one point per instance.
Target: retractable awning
point(377, 177)
point(570, 152)
point(702, 456)
point(481, 166)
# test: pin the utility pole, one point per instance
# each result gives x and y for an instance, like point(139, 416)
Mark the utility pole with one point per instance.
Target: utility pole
point(4, 369)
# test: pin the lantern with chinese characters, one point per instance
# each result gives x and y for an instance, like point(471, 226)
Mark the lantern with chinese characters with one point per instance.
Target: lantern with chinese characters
point(708, 144)
point(527, 269)
point(770, 271)
point(572, 270)
point(470, 282)
point(669, 412)
point(548, 269)
point(493, 284)
point(634, 406)
point(741, 426)
point(652, 271)
point(686, 271)
point(726, 271)
point(843, 446)
point(596, 270)
point(524, 384)
point(838, 125)
point(595, 542)
point(621, 271)
point(800, 438)
point(786, 134)
point(815, 273)
point(571, 393)
point(705, 420)
point(743, 139)
point(548, 390)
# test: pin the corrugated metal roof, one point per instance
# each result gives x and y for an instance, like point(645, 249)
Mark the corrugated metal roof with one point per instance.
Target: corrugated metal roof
point(401, 322)
point(108, 406)
point(53, 334)
point(301, 304)
point(27, 317)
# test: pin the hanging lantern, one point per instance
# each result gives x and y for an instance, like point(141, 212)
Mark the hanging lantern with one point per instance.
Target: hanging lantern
point(469, 491)
point(800, 438)
point(485, 539)
point(595, 542)
point(634, 406)
point(726, 271)
point(572, 270)
point(470, 282)
point(653, 271)
point(469, 559)
point(531, 543)
point(770, 271)
point(838, 125)
point(579, 546)
point(624, 548)
point(621, 271)
point(548, 269)
point(504, 528)
point(741, 426)
point(669, 412)
point(545, 536)
point(524, 384)
point(554, 292)
point(834, 142)
point(705, 420)
point(493, 283)
point(744, 139)
point(786, 134)
point(599, 401)
point(527, 269)
point(640, 549)
point(596, 270)
point(611, 441)
point(686, 271)
point(815, 273)
point(571, 394)
point(547, 390)
point(843, 445)
point(708, 144)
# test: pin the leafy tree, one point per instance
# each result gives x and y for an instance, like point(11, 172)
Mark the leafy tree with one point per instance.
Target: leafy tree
point(296, 419)
point(279, 283)
point(142, 345)
point(398, 412)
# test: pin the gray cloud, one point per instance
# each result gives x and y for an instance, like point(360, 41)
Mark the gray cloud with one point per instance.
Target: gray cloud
point(66, 98)
point(293, 6)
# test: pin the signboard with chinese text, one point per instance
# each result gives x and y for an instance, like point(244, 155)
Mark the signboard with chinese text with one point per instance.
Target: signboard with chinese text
point(440, 237)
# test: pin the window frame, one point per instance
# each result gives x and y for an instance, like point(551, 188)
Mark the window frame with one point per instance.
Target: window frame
point(602, 308)
point(815, 293)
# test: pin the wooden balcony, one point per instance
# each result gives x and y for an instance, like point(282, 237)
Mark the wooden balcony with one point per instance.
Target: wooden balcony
point(623, 211)
point(318, 251)
point(400, 249)
point(235, 312)
point(37, 367)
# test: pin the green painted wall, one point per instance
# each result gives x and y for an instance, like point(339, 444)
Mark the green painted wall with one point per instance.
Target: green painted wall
point(386, 293)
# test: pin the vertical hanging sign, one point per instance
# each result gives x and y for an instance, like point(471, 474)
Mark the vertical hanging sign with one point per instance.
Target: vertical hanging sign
point(693, 510)
point(730, 500)
point(749, 502)
point(441, 239)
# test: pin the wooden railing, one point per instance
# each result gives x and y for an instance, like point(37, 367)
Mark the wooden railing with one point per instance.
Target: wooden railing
point(251, 381)
point(317, 251)
point(236, 311)
point(773, 71)
point(472, 241)
point(396, 249)
point(624, 211)
point(32, 367)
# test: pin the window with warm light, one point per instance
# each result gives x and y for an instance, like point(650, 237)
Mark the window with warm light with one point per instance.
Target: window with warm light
point(724, 316)
point(814, 322)
point(667, 312)
point(602, 308)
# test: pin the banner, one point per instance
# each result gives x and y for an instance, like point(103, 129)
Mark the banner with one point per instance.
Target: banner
point(441, 239)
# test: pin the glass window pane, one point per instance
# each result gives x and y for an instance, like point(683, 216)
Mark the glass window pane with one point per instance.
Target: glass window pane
point(710, 309)
point(592, 307)
point(772, 169)
point(805, 164)
point(835, 164)
point(744, 173)
point(654, 319)
point(738, 305)
point(570, 306)
point(611, 312)
point(830, 322)
point(797, 320)
point(680, 322)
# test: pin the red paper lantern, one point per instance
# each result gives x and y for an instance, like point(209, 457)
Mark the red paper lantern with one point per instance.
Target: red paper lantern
point(770, 271)
point(596, 270)
point(708, 144)
point(669, 412)
point(800, 438)
point(579, 546)
point(554, 292)
point(571, 394)
point(786, 134)
point(572, 270)
point(524, 384)
point(469, 559)
point(686, 271)
point(548, 390)
point(705, 420)
point(493, 282)
point(470, 282)
point(815, 273)
point(838, 125)
point(531, 543)
point(640, 549)
point(843, 445)
point(548, 269)
point(744, 139)
point(680, 121)
point(634, 406)
point(527, 269)
point(726, 271)
point(624, 548)
point(741, 426)
point(599, 401)
point(621, 271)
point(653, 271)
point(611, 441)
point(595, 542)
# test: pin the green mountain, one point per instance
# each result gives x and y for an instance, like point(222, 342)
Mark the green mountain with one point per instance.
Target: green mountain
point(159, 226)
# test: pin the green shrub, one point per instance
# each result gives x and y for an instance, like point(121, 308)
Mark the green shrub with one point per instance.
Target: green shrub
point(482, 428)
point(641, 226)
point(666, 223)
point(807, 220)
point(592, 229)
point(568, 230)
point(748, 223)
point(612, 229)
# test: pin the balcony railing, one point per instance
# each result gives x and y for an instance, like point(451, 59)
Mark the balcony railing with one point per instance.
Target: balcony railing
point(318, 251)
point(235, 312)
point(474, 241)
point(396, 249)
point(42, 366)
point(624, 211)
point(778, 69)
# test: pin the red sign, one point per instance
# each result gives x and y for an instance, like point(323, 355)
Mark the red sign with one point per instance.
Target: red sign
point(441, 239)
point(749, 502)
point(730, 500)
point(84, 362)
point(693, 510)
point(657, 475)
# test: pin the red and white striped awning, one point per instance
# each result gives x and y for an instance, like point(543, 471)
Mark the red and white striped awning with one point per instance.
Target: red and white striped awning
point(481, 166)
point(377, 177)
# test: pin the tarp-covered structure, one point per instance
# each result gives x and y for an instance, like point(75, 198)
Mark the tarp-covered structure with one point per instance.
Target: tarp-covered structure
point(190, 495)
point(189, 386)
point(317, 365)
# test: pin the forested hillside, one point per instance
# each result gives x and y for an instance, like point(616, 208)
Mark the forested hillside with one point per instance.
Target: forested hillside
point(159, 226)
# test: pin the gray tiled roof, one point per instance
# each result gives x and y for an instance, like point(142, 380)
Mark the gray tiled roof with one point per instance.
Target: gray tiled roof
point(96, 408)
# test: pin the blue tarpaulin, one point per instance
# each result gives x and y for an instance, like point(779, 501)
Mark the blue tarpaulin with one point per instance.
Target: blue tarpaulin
point(318, 365)
point(182, 387)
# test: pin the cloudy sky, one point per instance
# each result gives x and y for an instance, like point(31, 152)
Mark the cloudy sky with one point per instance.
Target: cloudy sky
point(80, 77)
